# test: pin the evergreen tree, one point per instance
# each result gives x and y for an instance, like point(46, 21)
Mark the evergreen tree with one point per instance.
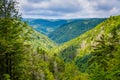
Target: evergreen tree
point(102, 66)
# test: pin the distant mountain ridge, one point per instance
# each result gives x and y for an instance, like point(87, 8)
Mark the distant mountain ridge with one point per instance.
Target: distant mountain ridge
point(45, 26)
point(63, 30)
point(73, 29)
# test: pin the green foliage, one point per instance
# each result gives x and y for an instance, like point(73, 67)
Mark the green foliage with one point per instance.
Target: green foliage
point(82, 62)
point(26, 55)
point(97, 50)
point(84, 42)
point(11, 46)
point(8, 9)
point(103, 62)
point(72, 73)
point(6, 77)
point(68, 56)
point(36, 39)
point(21, 55)
point(73, 29)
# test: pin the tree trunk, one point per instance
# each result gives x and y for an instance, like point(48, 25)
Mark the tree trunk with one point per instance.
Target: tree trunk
point(7, 63)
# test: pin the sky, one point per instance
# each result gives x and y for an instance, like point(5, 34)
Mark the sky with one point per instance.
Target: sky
point(68, 9)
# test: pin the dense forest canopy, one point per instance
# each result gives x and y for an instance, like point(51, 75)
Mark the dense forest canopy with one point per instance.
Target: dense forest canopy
point(26, 54)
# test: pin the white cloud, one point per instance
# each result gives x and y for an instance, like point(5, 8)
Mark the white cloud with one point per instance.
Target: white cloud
point(69, 8)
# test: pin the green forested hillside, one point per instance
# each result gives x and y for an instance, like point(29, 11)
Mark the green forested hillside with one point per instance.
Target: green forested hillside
point(97, 51)
point(24, 56)
point(84, 42)
point(28, 55)
point(22, 50)
point(36, 39)
point(74, 29)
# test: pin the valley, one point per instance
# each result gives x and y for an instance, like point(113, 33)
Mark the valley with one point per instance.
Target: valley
point(74, 48)
point(61, 31)
point(86, 57)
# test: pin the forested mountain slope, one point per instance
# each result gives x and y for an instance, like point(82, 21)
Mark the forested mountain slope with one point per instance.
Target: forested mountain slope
point(28, 55)
point(97, 52)
point(82, 45)
point(37, 39)
point(62, 30)
point(23, 51)
point(73, 29)
point(25, 54)
point(45, 26)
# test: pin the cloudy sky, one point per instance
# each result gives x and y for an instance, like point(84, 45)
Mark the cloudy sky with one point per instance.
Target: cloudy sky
point(59, 9)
